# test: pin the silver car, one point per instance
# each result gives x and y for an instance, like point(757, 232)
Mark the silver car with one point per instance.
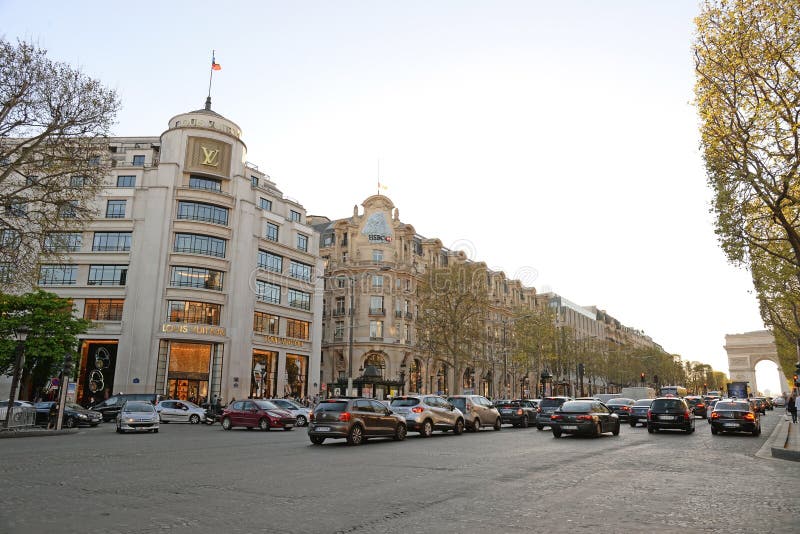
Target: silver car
point(137, 416)
point(180, 410)
point(301, 413)
point(478, 411)
point(426, 413)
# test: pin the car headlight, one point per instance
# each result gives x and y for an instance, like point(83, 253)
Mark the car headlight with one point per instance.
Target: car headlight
point(82, 416)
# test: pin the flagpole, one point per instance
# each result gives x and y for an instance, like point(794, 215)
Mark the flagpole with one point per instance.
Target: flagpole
point(210, 77)
point(379, 176)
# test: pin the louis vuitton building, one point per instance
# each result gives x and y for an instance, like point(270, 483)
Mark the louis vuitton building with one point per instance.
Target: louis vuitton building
point(199, 275)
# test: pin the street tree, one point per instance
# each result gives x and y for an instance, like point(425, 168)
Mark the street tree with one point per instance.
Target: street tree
point(53, 123)
point(52, 333)
point(453, 303)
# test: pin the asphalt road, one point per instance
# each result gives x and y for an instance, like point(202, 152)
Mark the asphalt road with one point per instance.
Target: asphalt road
point(202, 479)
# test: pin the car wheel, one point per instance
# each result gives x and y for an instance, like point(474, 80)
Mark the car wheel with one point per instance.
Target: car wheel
point(301, 420)
point(476, 425)
point(757, 432)
point(263, 424)
point(713, 431)
point(119, 430)
point(556, 432)
point(539, 427)
point(616, 429)
point(525, 423)
point(226, 423)
point(94, 425)
point(427, 429)
point(317, 440)
point(498, 424)
point(288, 428)
point(355, 436)
point(69, 423)
point(459, 428)
point(650, 430)
point(155, 431)
point(632, 423)
point(400, 432)
point(194, 419)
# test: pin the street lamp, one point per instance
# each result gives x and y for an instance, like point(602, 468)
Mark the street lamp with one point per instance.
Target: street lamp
point(20, 334)
point(402, 378)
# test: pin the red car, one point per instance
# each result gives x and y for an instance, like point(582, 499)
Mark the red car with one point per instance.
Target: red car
point(253, 413)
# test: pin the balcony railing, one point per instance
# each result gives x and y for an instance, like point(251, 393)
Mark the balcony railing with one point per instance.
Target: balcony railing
point(409, 316)
point(398, 314)
point(377, 311)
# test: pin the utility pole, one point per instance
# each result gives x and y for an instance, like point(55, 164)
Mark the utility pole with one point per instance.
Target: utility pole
point(351, 311)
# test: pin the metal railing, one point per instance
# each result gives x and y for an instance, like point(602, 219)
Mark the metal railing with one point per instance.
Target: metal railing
point(21, 417)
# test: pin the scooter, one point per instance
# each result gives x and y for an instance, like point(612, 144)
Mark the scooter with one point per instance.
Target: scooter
point(211, 416)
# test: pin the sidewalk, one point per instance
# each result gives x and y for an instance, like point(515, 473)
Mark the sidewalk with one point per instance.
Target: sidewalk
point(35, 432)
point(784, 442)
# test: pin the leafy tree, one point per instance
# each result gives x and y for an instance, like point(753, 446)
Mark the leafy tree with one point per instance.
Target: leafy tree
point(453, 305)
point(53, 332)
point(53, 122)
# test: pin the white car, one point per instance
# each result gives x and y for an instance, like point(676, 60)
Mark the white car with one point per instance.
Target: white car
point(137, 416)
point(180, 411)
point(301, 413)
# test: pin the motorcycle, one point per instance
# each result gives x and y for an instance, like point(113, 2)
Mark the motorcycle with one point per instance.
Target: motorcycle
point(211, 416)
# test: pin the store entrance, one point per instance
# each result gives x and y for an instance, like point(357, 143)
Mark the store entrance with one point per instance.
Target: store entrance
point(195, 391)
point(188, 371)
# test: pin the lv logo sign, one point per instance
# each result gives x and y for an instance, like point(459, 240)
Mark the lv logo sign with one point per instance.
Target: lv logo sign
point(210, 156)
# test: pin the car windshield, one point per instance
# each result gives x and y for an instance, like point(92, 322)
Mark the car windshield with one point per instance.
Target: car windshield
point(139, 407)
point(619, 402)
point(266, 405)
point(332, 406)
point(576, 406)
point(403, 401)
point(643, 402)
point(551, 403)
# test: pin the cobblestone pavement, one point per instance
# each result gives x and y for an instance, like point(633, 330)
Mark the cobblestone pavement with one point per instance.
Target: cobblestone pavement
point(203, 479)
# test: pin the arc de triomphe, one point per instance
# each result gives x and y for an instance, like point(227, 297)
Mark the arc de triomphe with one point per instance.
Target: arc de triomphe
point(746, 350)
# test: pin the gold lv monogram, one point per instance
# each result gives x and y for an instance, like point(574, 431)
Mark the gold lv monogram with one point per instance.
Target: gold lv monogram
point(210, 156)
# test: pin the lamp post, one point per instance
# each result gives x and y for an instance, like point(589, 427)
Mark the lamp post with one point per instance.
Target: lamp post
point(21, 334)
point(402, 378)
point(66, 372)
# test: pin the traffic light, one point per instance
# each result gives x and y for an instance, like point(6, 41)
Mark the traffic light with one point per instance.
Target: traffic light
point(641, 376)
point(796, 373)
point(69, 365)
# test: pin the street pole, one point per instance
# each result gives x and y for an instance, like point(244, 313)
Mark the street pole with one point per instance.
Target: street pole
point(19, 362)
point(350, 338)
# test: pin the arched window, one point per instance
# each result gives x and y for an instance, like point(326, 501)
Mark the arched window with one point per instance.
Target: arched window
point(375, 360)
point(468, 380)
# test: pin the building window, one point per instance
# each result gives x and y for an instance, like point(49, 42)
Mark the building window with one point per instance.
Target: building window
point(376, 329)
point(196, 277)
point(265, 323)
point(6, 269)
point(377, 281)
point(207, 184)
point(200, 244)
point(63, 242)
point(297, 329)
point(299, 270)
point(377, 256)
point(299, 299)
point(103, 309)
point(68, 210)
point(126, 181)
point(77, 181)
point(192, 312)
point(16, 208)
point(108, 275)
point(115, 209)
point(254, 181)
point(267, 292)
point(376, 305)
point(294, 216)
point(327, 240)
point(270, 262)
point(408, 333)
point(198, 211)
point(138, 161)
point(302, 242)
point(272, 232)
point(338, 332)
point(111, 241)
point(58, 275)
point(339, 309)
point(265, 204)
point(94, 161)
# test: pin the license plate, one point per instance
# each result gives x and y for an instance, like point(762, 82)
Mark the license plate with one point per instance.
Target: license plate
point(731, 424)
point(323, 429)
point(569, 427)
point(667, 417)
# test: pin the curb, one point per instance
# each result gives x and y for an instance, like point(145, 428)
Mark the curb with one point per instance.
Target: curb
point(782, 443)
point(8, 434)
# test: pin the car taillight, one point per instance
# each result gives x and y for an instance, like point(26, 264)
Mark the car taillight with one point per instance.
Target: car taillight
point(649, 414)
point(311, 416)
point(584, 418)
point(714, 415)
point(555, 417)
point(749, 417)
point(417, 409)
point(687, 415)
point(625, 409)
point(701, 405)
point(344, 417)
point(519, 412)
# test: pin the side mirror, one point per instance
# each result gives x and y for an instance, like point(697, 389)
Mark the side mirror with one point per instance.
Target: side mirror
point(614, 416)
point(451, 407)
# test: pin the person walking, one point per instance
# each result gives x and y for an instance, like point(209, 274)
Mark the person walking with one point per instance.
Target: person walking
point(52, 416)
point(792, 405)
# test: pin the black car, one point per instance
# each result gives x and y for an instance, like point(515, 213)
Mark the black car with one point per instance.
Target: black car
point(590, 418)
point(670, 413)
point(621, 406)
point(638, 412)
point(355, 420)
point(74, 415)
point(112, 405)
point(697, 405)
point(735, 416)
point(517, 412)
point(546, 408)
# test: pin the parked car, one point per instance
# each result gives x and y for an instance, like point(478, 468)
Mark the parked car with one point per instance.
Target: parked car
point(697, 405)
point(137, 416)
point(112, 405)
point(638, 412)
point(426, 413)
point(74, 415)
point(253, 413)
point(518, 412)
point(178, 410)
point(546, 409)
point(735, 416)
point(590, 418)
point(354, 420)
point(670, 413)
point(478, 411)
point(301, 413)
point(621, 406)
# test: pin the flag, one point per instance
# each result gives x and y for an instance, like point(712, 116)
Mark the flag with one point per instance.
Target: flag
point(214, 64)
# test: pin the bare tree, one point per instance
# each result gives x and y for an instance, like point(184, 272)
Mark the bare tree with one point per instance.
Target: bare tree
point(54, 121)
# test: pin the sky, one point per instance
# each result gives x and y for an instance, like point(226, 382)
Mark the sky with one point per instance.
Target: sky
point(555, 141)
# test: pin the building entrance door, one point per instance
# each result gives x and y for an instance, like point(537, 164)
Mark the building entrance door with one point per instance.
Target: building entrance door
point(189, 390)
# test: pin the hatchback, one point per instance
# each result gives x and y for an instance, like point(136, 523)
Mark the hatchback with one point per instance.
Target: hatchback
point(178, 410)
point(137, 416)
point(670, 413)
point(426, 413)
point(253, 413)
point(621, 406)
point(300, 412)
point(354, 420)
point(735, 416)
point(478, 411)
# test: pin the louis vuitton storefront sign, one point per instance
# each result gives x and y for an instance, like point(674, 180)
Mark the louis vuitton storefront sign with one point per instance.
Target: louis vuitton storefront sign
point(199, 329)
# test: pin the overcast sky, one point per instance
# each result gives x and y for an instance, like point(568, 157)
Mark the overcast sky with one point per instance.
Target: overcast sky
point(555, 141)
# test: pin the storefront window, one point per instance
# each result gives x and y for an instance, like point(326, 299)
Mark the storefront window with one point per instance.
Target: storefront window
point(296, 372)
point(262, 379)
point(189, 364)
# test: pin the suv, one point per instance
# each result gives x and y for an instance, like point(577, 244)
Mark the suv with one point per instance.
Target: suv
point(112, 405)
point(546, 409)
point(426, 413)
point(670, 412)
point(478, 411)
point(519, 412)
point(354, 419)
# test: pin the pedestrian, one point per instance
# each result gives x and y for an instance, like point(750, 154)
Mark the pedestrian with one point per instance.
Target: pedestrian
point(52, 416)
point(796, 407)
point(792, 406)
